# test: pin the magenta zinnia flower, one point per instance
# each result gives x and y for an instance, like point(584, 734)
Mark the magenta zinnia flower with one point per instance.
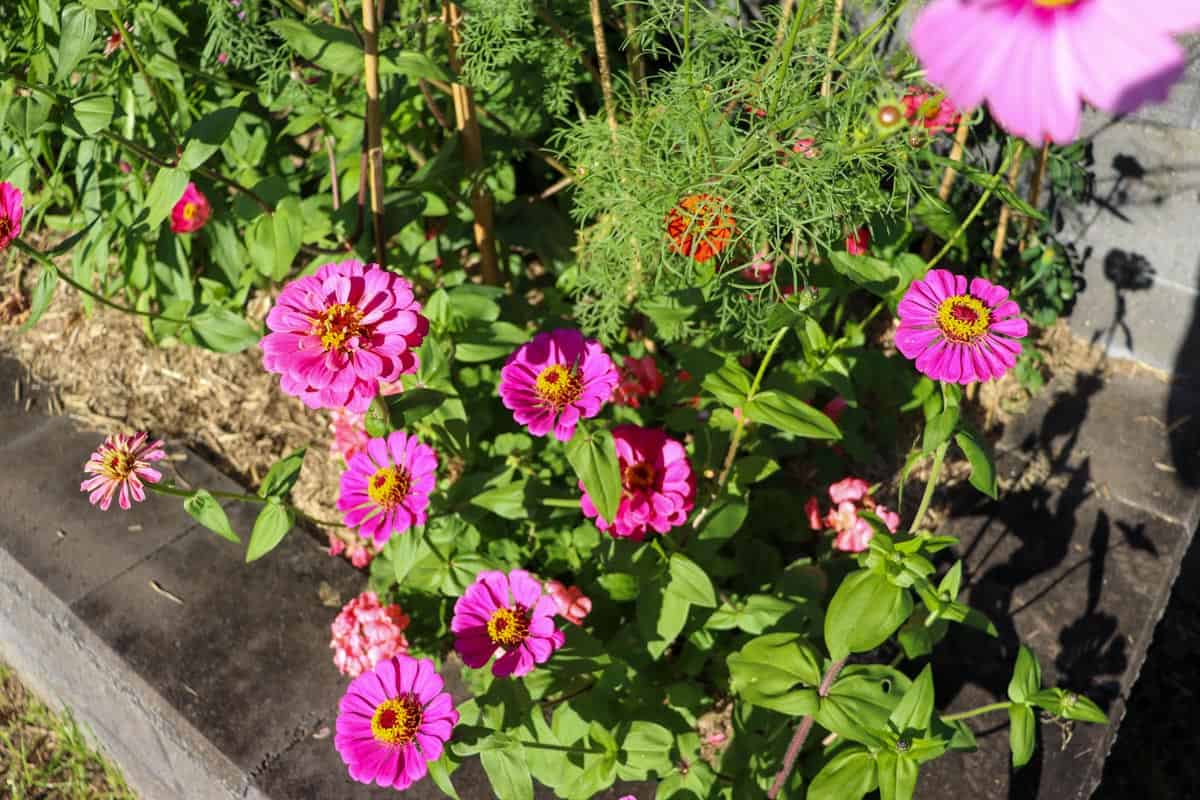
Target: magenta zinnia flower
point(393, 720)
point(659, 487)
point(509, 615)
point(191, 211)
point(555, 380)
point(365, 633)
point(1034, 60)
point(338, 333)
point(385, 490)
point(122, 463)
point(12, 210)
point(959, 336)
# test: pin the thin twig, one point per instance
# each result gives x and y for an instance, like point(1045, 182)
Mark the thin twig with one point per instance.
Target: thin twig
point(805, 727)
point(1005, 211)
point(785, 16)
point(610, 106)
point(956, 154)
point(831, 51)
point(333, 173)
point(556, 187)
point(1035, 189)
point(432, 104)
point(374, 125)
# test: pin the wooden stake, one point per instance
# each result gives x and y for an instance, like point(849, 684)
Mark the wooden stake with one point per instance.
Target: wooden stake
point(370, 22)
point(1005, 212)
point(610, 107)
point(827, 84)
point(1035, 189)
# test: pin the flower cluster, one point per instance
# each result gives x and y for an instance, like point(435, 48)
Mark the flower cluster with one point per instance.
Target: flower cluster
point(852, 533)
point(933, 111)
point(365, 633)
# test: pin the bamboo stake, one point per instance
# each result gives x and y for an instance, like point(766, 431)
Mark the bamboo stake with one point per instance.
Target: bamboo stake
point(827, 84)
point(1035, 189)
point(610, 107)
point(1005, 212)
point(374, 126)
point(467, 123)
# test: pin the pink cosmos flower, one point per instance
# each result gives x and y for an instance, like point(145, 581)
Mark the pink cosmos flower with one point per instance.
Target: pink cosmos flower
point(365, 633)
point(120, 464)
point(573, 605)
point(959, 336)
point(858, 242)
point(555, 380)
point(1033, 61)
point(933, 111)
point(385, 490)
point(349, 435)
point(336, 334)
point(852, 533)
point(393, 720)
point(760, 269)
point(639, 378)
point(506, 615)
point(191, 211)
point(12, 210)
point(659, 488)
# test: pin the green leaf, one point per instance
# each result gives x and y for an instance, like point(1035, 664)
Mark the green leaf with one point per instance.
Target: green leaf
point(937, 216)
point(274, 239)
point(621, 586)
point(223, 331)
point(983, 468)
point(378, 419)
point(849, 775)
point(877, 277)
point(770, 666)
point(647, 746)
point(164, 193)
point(593, 455)
point(407, 408)
point(725, 519)
point(913, 711)
point(89, 114)
point(507, 501)
point(1027, 677)
point(208, 133)
point(272, 524)
point(1069, 705)
point(78, 34)
point(334, 49)
point(1022, 733)
point(863, 613)
point(405, 550)
point(860, 703)
point(43, 293)
point(897, 774)
point(282, 475)
point(690, 582)
point(411, 64)
point(661, 615)
point(730, 384)
point(791, 415)
point(939, 428)
point(485, 342)
point(205, 509)
point(508, 770)
point(439, 773)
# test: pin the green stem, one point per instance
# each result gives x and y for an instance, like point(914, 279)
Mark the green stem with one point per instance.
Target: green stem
point(935, 471)
point(127, 41)
point(874, 30)
point(175, 491)
point(561, 502)
point(736, 441)
point(987, 193)
point(562, 748)
point(975, 712)
point(213, 76)
point(45, 261)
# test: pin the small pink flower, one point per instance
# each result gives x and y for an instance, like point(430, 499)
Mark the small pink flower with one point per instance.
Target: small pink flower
point(336, 545)
point(385, 489)
point(852, 534)
point(760, 269)
point(365, 633)
point(121, 464)
point(337, 334)
point(639, 378)
point(849, 490)
point(806, 146)
point(223, 58)
point(553, 381)
point(890, 518)
point(573, 605)
point(360, 556)
point(1033, 61)
point(659, 488)
point(717, 738)
point(933, 111)
point(12, 211)
point(349, 435)
point(393, 720)
point(125, 166)
point(506, 615)
point(959, 336)
point(812, 510)
point(858, 242)
point(191, 211)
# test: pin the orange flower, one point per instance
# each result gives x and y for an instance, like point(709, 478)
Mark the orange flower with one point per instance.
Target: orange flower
point(700, 226)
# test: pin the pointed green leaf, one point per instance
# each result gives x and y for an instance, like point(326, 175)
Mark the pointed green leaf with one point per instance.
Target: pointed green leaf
point(791, 415)
point(272, 524)
point(866, 609)
point(593, 455)
point(1022, 733)
point(983, 467)
point(282, 475)
point(205, 509)
point(690, 582)
point(897, 775)
point(915, 708)
point(164, 193)
point(849, 775)
point(1027, 677)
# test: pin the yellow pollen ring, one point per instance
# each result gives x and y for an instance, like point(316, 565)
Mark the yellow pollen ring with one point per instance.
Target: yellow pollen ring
point(118, 465)
point(397, 721)
point(559, 386)
point(508, 627)
point(389, 486)
point(963, 318)
point(337, 325)
point(1054, 3)
point(189, 211)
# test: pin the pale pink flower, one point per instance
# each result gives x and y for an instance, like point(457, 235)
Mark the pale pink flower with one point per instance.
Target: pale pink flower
point(573, 605)
point(120, 466)
point(851, 490)
point(812, 510)
point(223, 58)
point(365, 633)
point(852, 533)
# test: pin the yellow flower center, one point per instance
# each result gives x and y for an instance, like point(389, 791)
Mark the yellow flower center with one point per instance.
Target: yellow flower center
point(1054, 3)
point(118, 465)
point(508, 627)
point(963, 318)
point(559, 386)
point(338, 324)
point(389, 486)
point(189, 211)
point(639, 477)
point(397, 721)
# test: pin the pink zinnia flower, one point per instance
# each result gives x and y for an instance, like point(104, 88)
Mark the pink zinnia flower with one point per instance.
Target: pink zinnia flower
point(933, 111)
point(959, 336)
point(555, 380)
point(191, 211)
point(852, 533)
point(385, 490)
point(1033, 61)
point(506, 615)
point(659, 487)
point(760, 269)
point(122, 463)
point(12, 210)
point(336, 334)
point(393, 720)
point(365, 633)
point(639, 378)
point(573, 605)
point(349, 435)
point(858, 242)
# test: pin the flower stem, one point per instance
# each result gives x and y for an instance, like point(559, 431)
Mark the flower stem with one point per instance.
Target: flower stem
point(805, 727)
point(975, 712)
point(983, 198)
point(127, 42)
point(935, 471)
point(561, 502)
point(175, 491)
point(731, 454)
